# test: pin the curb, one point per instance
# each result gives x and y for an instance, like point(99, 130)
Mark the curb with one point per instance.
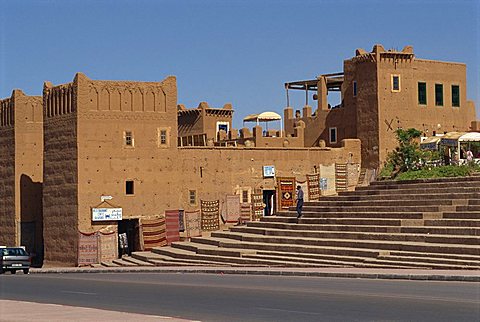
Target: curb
point(387, 276)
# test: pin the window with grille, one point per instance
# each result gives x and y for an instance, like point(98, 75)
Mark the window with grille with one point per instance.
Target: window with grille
point(455, 96)
point(439, 94)
point(422, 93)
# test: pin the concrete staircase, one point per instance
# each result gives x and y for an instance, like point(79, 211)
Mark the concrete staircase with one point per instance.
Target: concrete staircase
point(413, 224)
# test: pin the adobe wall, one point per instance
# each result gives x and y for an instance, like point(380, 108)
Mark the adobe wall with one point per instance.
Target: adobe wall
point(365, 122)
point(401, 109)
point(106, 109)
point(60, 173)
point(215, 172)
point(8, 222)
point(29, 170)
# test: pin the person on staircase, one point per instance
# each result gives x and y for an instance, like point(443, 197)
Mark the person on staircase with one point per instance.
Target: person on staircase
point(299, 201)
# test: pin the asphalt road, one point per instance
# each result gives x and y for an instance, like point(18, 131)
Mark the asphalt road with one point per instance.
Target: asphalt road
point(252, 298)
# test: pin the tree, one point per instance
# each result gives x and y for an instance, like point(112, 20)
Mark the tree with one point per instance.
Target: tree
point(407, 155)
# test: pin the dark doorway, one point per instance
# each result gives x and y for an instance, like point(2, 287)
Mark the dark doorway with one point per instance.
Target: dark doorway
point(269, 199)
point(128, 236)
point(31, 218)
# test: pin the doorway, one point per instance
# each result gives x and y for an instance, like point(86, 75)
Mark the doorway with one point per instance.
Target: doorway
point(128, 236)
point(269, 199)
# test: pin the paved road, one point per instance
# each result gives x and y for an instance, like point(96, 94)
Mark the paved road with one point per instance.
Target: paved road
point(252, 298)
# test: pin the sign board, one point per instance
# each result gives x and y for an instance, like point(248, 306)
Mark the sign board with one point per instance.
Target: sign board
point(269, 171)
point(103, 198)
point(323, 183)
point(106, 214)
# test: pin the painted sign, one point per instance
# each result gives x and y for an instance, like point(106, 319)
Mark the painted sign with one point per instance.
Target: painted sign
point(269, 171)
point(105, 214)
point(323, 183)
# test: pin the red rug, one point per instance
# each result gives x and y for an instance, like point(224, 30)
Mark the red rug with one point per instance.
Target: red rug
point(172, 226)
point(154, 234)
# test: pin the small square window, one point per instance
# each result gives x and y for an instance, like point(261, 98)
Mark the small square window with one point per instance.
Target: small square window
point(395, 83)
point(163, 137)
point(354, 88)
point(129, 187)
point(455, 96)
point(192, 196)
point(333, 134)
point(439, 94)
point(128, 136)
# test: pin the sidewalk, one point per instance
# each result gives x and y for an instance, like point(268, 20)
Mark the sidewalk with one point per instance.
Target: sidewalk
point(371, 273)
point(17, 311)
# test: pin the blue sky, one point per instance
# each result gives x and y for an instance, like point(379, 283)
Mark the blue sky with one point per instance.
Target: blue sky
point(224, 51)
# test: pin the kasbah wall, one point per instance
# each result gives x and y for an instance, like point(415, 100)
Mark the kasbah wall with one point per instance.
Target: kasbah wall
point(21, 170)
point(86, 156)
point(376, 109)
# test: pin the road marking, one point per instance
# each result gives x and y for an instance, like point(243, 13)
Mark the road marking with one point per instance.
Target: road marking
point(74, 292)
point(289, 311)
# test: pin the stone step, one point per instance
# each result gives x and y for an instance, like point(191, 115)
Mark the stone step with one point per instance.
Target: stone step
point(474, 201)
point(361, 191)
point(370, 228)
point(109, 264)
point(462, 214)
point(188, 255)
point(417, 264)
point(453, 222)
point(259, 246)
point(307, 213)
point(378, 203)
point(335, 221)
point(136, 261)
point(430, 181)
point(372, 208)
point(164, 260)
point(403, 196)
point(376, 236)
point(439, 261)
point(122, 262)
point(469, 208)
point(433, 247)
point(433, 260)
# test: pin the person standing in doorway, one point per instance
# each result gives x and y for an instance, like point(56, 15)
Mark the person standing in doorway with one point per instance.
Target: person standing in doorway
point(299, 201)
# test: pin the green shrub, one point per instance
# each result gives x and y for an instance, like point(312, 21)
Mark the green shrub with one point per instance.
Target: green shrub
point(439, 172)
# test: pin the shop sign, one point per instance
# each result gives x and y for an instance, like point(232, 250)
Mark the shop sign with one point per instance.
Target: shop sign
point(269, 171)
point(323, 183)
point(106, 214)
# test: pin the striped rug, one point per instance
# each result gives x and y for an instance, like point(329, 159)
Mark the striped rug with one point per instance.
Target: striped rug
point(172, 226)
point(245, 212)
point(154, 234)
point(313, 183)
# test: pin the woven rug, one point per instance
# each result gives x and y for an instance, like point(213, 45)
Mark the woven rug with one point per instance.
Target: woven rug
point(257, 205)
point(233, 208)
point(172, 226)
point(192, 224)
point(108, 246)
point(210, 215)
point(181, 220)
point(341, 177)
point(87, 248)
point(245, 212)
point(286, 192)
point(313, 183)
point(154, 234)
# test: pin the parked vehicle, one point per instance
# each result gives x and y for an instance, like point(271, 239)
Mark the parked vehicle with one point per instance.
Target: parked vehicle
point(13, 259)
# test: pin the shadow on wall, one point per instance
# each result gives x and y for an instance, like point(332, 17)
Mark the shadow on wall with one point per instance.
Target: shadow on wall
point(31, 218)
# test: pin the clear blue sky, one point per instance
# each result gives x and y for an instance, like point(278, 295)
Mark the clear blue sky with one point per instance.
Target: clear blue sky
point(224, 51)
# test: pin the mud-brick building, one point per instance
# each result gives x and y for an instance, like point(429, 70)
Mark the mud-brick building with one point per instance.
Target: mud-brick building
point(382, 91)
point(21, 172)
point(120, 139)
